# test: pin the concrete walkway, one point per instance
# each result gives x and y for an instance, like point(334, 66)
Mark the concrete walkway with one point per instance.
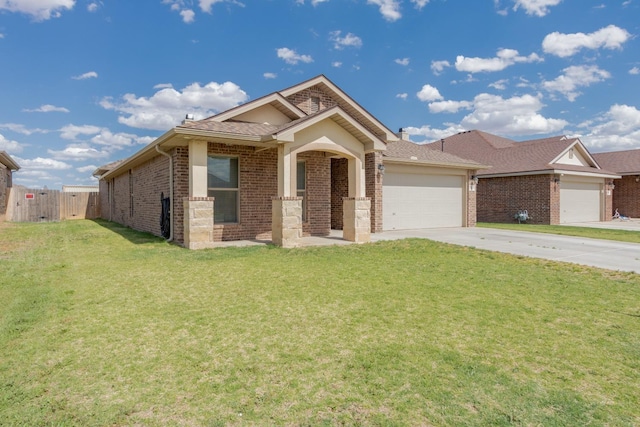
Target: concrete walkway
point(593, 252)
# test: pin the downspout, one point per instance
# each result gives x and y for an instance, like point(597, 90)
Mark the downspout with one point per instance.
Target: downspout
point(170, 189)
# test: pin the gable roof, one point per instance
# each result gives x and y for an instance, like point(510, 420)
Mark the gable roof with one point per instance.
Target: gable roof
point(508, 157)
point(6, 160)
point(622, 162)
point(408, 152)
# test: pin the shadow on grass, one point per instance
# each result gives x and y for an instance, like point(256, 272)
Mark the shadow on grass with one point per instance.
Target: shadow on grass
point(133, 236)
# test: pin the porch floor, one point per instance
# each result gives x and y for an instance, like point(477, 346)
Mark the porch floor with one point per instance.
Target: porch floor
point(334, 238)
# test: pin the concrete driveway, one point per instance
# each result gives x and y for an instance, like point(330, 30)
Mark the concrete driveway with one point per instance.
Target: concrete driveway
point(593, 252)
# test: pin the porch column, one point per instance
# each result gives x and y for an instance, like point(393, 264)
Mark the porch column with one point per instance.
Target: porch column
point(198, 222)
point(198, 168)
point(356, 219)
point(286, 221)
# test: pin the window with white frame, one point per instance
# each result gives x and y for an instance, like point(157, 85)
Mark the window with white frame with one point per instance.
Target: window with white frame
point(222, 183)
point(301, 186)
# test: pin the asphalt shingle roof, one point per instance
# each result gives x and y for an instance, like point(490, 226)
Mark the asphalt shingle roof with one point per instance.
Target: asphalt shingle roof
point(622, 162)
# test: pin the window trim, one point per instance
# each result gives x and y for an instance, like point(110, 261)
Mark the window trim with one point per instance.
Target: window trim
point(237, 189)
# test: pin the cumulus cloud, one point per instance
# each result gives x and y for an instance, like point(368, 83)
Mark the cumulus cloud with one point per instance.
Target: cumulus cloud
point(431, 134)
point(78, 152)
point(336, 64)
point(9, 145)
point(39, 10)
point(428, 93)
point(390, 9)
point(617, 129)
point(71, 132)
point(43, 163)
point(188, 16)
point(564, 45)
point(85, 76)
point(420, 3)
point(87, 169)
point(634, 71)
point(574, 77)
point(500, 84)
point(269, 75)
point(437, 67)
point(535, 7)
point(349, 40)
point(404, 61)
point(167, 107)
point(504, 58)
point(449, 106)
point(22, 129)
point(47, 108)
point(402, 95)
point(290, 56)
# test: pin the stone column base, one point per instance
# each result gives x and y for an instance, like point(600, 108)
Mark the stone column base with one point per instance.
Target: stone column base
point(286, 221)
point(198, 222)
point(356, 223)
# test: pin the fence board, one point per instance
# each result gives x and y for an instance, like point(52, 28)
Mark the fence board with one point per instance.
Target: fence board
point(53, 205)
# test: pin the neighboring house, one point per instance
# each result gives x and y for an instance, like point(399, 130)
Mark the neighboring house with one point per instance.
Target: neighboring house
point(555, 180)
point(297, 162)
point(80, 189)
point(7, 166)
point(626, 196)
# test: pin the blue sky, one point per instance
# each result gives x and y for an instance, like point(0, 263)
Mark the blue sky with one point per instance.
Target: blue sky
point(86, 82)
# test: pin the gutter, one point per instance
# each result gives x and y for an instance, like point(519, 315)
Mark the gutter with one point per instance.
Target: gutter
point(404, 161)
point(170, 239)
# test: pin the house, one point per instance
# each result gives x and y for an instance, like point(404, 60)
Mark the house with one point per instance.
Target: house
point(298, 162)
point(7, 167)
point(626, 197)
point(555, 180)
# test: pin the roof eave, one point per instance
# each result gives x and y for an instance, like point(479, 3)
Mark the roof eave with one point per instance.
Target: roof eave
point(453, 165)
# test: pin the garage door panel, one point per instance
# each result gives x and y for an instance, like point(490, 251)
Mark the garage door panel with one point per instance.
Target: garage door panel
point(412, 201)
point(579, 202)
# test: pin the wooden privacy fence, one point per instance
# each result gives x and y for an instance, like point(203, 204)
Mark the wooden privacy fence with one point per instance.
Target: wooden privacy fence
point(29, 205)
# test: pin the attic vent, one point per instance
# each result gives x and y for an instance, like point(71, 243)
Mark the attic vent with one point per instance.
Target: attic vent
point(571, 153)
point(314, 106)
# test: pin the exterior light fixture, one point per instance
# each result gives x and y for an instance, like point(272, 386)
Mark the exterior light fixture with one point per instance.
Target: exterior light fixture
point(474, 178)
point(381, 169)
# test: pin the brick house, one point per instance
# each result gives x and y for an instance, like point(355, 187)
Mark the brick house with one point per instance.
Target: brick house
point(555, 180)
point(7, 167)
point(626, 197)
point(294, 163)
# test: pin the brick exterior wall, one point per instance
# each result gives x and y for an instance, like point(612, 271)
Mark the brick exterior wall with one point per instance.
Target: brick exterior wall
point(302, 99)
point(626, 197)
point(471, 201)
point(5, 185)
point(373, 182)
point(318, 185)
point(499, 199)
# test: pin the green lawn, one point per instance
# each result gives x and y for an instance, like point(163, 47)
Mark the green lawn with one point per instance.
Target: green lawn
point(103, 326)
point(566, 230)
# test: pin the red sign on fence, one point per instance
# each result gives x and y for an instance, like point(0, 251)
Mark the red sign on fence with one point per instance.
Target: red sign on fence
point(29, 196)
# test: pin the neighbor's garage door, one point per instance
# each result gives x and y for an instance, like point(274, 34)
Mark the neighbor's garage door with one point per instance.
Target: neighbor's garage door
point(579, 202)
point(411, 201)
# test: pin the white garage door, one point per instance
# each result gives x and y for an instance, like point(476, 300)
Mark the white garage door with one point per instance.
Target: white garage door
point(411, 201)
point(579, 202)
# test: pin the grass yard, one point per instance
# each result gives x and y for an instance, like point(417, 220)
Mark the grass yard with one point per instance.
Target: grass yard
point(567, 230)
point(103, 326)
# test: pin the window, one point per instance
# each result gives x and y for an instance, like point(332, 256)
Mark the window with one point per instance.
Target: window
point(315, 104)
point(301, 180)
point(222, 183)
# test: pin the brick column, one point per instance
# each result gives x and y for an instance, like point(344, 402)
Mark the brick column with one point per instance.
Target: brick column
point(198, 222)
point(356, 219)
point(286, 221)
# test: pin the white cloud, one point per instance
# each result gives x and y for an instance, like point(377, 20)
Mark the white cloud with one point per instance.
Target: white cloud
point(93, 7)
point(504, 58)
point(47, 108)
point(420, 3)
point(403, 61)
point(43, 163)
point(163, 86)
point(10, 146)
point(449, 106)
point(437, 67)
point(535, 7)
point(291, 57)
point(634, 71)
point(188, 16)
point(85, 76)
point(336, 64)
point(564, 45)
point(428, 93)
point(617, 129)
point(117, 141)
point(500, 84)
point(18, 128)
point(574, 77)
point(349, 40)
point(1, 36)
point(167, 107)
point(402, 95)
point(39, 10)
point(87, 169)
point(206, 5)
point(71, 132)
point(431, 134)
point(77, 152)
point(269, 75)
point(390, 9)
